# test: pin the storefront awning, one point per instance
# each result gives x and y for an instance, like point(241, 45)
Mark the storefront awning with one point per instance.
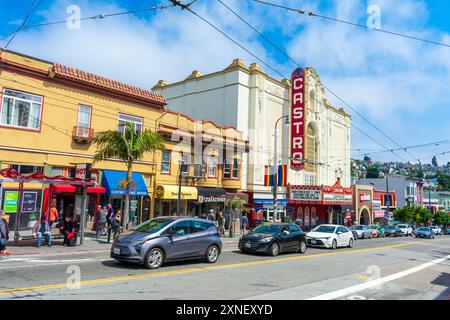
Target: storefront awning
point(171, 192)
point(239, 195)
point(211, 195)
point(114, 182)
point(60, 188)
point(96, 190)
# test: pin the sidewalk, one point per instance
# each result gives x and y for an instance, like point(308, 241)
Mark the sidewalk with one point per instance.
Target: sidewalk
point(90, 245)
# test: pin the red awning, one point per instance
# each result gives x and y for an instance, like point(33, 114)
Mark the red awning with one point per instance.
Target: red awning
point(96, 190)
point(63, 188)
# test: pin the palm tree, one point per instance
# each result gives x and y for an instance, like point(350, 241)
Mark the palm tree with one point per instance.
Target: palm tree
point(129, 146)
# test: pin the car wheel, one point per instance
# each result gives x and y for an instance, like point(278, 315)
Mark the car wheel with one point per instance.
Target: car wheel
point(212, 254)
point(334, 245)
point(154, 259)
point(274, 249)
point(302, 247)
point(417, 236)
point(350, 243)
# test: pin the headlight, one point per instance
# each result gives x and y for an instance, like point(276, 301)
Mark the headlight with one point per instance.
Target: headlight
point(138, 244)
point(267, 239)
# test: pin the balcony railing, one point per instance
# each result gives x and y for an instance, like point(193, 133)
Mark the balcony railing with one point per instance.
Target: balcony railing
point(82, 134)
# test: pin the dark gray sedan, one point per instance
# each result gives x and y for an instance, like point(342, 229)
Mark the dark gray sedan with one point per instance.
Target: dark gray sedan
point(425, 232)
point(166, 239)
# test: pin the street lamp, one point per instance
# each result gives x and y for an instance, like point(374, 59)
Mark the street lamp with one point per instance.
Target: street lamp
point(275, 163)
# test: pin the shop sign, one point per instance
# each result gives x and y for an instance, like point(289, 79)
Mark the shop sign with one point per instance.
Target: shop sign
point(11, 201)
point(306, 195)
point(332, 197)
point(364, 197)
point(212, 198)
point(29, 199)
point(83, 171)
point(298, 117)
point(376, 205)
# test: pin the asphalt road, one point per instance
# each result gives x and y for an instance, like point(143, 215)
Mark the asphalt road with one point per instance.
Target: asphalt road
point(390, 268)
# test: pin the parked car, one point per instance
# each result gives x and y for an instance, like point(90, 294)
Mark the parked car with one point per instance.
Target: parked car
point(330, 236)
point(406, 229)
point(436, 229)
point(363, 231)
point(355, 234)
point(446, 231)
point(379, 230)
point(392, 231)
point(166, 239)
point(425, 232)
point(274, 238)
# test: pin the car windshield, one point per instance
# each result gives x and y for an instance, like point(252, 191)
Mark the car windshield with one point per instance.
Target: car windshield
point(325, 229)
point(424, 229)
point(433, 227)
point(359, 228)
point(389, 227)
point(401, 226)
point(154, 225)
point(373, 227)
point(268, 229)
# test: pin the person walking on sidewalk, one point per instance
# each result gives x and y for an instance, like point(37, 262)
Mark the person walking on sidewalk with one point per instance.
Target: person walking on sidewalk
point(102, 220)
point(4, 233)
point(244, 223)
point(221, 224)
point(53, 216)
point(115, 225)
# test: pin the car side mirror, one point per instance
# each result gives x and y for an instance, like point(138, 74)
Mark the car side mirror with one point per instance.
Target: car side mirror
point(339, 232)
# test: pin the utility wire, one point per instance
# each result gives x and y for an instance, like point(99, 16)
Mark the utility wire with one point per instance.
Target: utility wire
point(94, 17)
point(283, 52)
point(312, 14)
point(29, 13)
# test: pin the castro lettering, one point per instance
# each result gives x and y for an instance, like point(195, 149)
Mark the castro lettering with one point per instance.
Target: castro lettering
point(298, 119)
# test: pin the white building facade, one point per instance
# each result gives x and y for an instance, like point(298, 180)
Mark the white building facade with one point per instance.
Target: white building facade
point(248, 99)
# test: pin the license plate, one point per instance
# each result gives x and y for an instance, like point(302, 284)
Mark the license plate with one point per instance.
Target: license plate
point(313, 241)
point(116, 251)
point(248, 245)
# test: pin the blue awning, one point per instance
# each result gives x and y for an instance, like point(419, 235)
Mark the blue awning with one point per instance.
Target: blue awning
point(114, 182)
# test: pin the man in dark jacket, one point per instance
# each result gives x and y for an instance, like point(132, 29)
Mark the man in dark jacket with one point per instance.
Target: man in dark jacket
point(4, 233)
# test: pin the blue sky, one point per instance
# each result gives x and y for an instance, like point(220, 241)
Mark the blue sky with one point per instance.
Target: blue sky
point(401, 85)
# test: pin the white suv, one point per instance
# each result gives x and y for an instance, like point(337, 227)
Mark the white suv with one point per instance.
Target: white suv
point(406, 229)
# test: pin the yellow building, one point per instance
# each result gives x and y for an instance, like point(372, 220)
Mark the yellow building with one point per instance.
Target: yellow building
point(49, 114)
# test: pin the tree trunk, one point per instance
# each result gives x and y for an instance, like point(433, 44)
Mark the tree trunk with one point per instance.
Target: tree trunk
point(126, 208)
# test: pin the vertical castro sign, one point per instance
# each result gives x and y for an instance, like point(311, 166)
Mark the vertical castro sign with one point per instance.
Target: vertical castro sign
point(298, 118)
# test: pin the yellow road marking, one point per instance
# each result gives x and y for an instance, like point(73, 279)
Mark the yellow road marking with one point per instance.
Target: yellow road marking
point(197, 269)
point(363, 277)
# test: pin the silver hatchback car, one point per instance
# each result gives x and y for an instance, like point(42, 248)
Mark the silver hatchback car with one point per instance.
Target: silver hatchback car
point(166, 239)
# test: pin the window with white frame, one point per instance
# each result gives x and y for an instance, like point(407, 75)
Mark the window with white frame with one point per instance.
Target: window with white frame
point(26, 169)
point(227, 169)
point(84, 116)
point(21, 110)
point(310, 178)
point(231, 169)
point(212, 167)
point(200, 168)
point(235, 168)
point(165, 161)
point(136, 122)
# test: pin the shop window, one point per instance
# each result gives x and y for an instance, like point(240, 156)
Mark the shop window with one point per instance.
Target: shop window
point(26, 169)
point(21, 110)
point(306, 219)
point(313, 216)
point(300, 213)
point(136, 122)
point(165, 162)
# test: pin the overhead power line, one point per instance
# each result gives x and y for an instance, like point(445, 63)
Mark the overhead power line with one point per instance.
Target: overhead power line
point(283, 52)
point(94, 17)
point(29, 13)
point(312, 14)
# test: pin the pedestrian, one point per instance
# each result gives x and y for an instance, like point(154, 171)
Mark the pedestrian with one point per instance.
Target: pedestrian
point(102, 220)
point(221, 224)
point(69, 231)
point(53, 216)
point(115, 225)
point(211, 215)
point(298, 221)
point(244, 223)
point(42, 229)
point(4, 233)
